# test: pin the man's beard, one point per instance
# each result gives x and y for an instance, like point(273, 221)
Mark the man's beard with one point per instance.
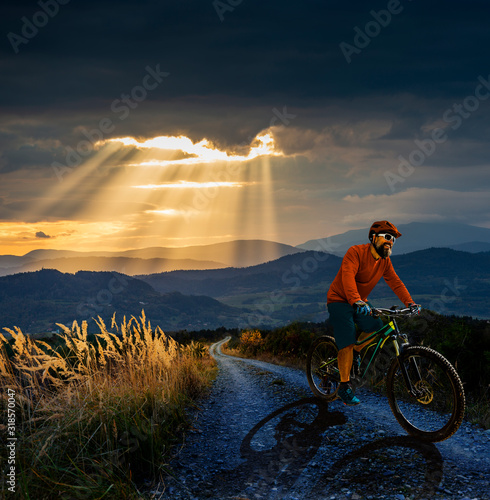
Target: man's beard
point(382, 251)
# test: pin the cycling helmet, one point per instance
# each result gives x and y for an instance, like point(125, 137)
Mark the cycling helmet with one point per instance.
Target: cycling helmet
point(383, 226)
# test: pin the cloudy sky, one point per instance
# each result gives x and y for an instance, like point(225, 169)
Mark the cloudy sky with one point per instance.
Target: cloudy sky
point(129, 124)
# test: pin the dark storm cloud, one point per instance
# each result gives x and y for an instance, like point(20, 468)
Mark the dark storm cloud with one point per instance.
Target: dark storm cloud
point(26, 156)
point(364, 80)
point(91, 52)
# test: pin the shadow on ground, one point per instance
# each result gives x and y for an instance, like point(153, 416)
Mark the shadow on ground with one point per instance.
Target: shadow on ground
point(298, 448)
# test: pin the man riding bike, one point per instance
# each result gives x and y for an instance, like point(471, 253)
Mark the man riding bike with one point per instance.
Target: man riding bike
point(347, 298)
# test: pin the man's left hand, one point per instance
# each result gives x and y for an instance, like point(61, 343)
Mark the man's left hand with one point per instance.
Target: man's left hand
point(362, 307)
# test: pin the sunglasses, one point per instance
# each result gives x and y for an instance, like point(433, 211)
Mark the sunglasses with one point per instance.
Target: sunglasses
point(387, 236)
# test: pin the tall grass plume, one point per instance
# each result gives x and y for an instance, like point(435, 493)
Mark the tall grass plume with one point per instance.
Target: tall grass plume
point(97, 415)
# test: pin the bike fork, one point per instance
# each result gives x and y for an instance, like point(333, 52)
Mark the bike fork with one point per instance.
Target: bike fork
point(414, 369)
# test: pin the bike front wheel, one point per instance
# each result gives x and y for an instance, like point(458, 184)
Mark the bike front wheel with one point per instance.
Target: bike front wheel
point(322, 369)
point(434, 409)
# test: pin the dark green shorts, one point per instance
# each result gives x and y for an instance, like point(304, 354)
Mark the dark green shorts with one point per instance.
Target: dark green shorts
point(344, 320)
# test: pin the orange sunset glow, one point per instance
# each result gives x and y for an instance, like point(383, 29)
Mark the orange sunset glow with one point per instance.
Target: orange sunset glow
point(166, 201)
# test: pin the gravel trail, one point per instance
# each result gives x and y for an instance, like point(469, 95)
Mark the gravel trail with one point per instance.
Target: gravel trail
point(261, 435)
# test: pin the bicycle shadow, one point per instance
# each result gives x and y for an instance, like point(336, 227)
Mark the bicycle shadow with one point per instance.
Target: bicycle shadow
point(381, 467)
point(279, 448)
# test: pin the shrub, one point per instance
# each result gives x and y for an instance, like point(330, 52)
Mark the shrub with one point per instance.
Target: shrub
point(251, 342)
point(291, 341)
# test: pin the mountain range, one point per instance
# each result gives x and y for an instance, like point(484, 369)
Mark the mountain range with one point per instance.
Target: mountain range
point(415, 236)
point(239, 283)
point(275, 293)
point(37, 301)
point(295, 286)
point(240, 253)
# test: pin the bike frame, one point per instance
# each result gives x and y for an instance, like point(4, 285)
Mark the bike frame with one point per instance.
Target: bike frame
point(391, 332)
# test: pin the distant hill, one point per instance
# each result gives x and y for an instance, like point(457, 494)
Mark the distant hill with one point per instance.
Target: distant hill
point(415, 236)
point(124, 265)
point(472, 247)
point(284, 273)
point(240, 253)
point(295, 286)
point(37, 301)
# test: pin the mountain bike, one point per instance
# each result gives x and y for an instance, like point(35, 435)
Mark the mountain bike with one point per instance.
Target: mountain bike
point(423, 389)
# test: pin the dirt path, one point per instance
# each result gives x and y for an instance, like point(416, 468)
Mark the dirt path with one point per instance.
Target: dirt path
point(261, 435)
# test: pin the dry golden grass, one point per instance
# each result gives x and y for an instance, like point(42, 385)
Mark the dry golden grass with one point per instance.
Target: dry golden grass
point(94, 416)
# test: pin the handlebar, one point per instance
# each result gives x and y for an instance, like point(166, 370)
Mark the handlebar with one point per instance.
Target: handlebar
point(381, 311)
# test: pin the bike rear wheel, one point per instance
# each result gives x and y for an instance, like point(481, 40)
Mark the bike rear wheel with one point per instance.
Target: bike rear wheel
point(322, 369)
point(436, 411)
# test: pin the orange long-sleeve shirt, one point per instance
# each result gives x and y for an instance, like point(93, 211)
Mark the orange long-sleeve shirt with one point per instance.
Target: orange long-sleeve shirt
point(358, 275)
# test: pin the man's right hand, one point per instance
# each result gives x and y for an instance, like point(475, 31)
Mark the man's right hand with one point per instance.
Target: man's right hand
point(362, 307)
point(414, 308)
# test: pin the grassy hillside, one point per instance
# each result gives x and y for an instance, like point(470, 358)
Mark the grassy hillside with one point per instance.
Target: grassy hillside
point(36, 301)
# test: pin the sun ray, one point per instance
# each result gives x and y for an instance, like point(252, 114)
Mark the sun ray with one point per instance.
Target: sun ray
point(191, 185)
point(161, 190)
